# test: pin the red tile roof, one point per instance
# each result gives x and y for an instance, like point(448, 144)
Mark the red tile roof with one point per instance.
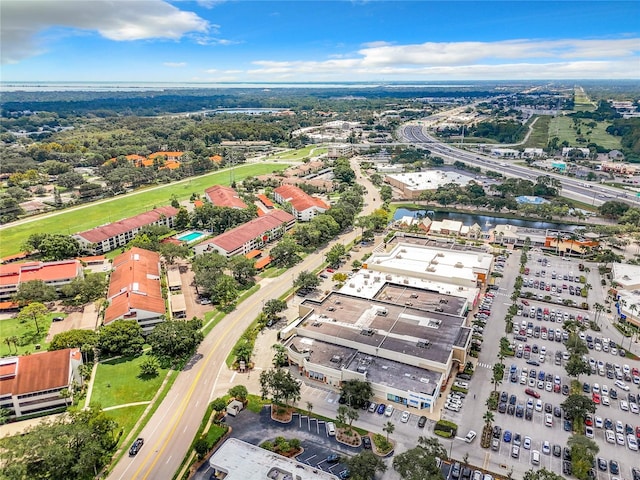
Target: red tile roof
point(253, 254)
point(8, 305)
point(236, 237)
point(105, 232)
point(17, 256)
point(222, 196)
point(265, 200)
point(15, 273)
point(263, 262)
point(134, 284)
point(38, 372)
point(93, 258)
point(298, 199)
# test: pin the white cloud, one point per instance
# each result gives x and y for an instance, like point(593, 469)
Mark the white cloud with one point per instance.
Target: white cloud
point(509, 59)
point(175, 64)
point(22, 22)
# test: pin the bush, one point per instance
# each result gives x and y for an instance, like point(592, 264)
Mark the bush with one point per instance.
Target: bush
point(381, 443)
point(443, 434)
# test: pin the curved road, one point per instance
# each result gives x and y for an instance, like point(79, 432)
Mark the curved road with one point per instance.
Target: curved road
point(171, 429)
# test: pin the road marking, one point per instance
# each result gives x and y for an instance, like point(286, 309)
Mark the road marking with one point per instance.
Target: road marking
point(168, 459)
point(233, 377)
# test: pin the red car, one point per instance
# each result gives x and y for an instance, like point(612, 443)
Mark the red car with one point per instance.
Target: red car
point(556, 388)
point(596, 398)
point(532, 392)
point(588, 421)
point(524, 302)
point(638, 432)
point(330, 270)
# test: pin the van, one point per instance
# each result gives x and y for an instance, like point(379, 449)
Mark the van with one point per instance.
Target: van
point(535, 457)
point(331, 429)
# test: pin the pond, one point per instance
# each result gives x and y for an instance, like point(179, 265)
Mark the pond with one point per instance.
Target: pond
point(486, 222)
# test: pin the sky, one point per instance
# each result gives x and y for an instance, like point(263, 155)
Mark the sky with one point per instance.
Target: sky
point(309, 41)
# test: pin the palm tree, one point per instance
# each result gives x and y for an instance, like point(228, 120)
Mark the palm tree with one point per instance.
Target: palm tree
point(633, 308)
point(599, 308)
point(488, 418)
point(558, 240)
point(388, 428)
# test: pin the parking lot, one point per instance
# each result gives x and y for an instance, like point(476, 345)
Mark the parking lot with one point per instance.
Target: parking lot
point(539, 342)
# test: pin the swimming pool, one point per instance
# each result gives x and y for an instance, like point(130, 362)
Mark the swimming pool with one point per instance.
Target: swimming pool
point(190, 237)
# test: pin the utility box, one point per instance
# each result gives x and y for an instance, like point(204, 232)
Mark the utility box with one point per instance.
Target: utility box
point(234, 408)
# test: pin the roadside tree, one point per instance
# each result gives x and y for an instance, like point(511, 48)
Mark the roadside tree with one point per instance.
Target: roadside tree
point(175, 340)
point(365, 465)
point(122, 337)
point(306, 280)
point(280, 385)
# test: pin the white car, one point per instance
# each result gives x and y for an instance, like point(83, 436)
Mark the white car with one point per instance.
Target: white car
point(595, 388)
point(546, 447)
point(619, 427)
point(626, 368)
point(605, 390)
point(620, 384)
point(624, 406)
point(610, 436)
point(632, 443)
point(548, 420)
point(405, 417)
point(388, 411)
point(470, 436)
point(588, 431)
point(598, 422)
point(452, 406)
point(620, 439)
point(604, 400)
point(539, 405)
point(634, 408)
point(527, 443)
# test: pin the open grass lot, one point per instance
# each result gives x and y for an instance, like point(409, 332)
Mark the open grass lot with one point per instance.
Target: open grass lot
point(126, 418)
point(562, 128)
point(118, 382)
point(88, 216)
point(301, 153)
point(540, 135)
point(581, 102)
point(26, 334)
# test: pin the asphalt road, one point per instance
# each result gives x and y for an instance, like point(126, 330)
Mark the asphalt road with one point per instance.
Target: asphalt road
point(593, 194)
point(170, 431)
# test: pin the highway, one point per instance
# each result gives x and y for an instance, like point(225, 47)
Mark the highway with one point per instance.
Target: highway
point(586, 192)
point(171, 429)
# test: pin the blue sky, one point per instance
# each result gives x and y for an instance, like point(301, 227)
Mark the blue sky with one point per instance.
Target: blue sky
point(270, 41)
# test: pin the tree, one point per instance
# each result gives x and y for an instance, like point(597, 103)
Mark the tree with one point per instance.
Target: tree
point(576, 366)
point(335, 254)
point(543, 474)
point(273, 307)
point(53, 246)
point(171, 251)
point(583, 451)
point(34, 311)
point(201, 446)
point(488, 417)
point(306, 280)
point(239, 392)
point(342, 171)
point(576, 407)
point(149, 366)
point(225, 291)
point(386, 193)
point(498, 375)
point(219, 404)
point(182, 219)
point(243, 269)
point(76, 445)
point(35, 291)
point(280, 357)
point(280, 385)
point(84, 290)
point(122, 337)
point(175, 340)
point(419, 463)
point(365, 465)
point(356, 392)
point(73, 339)
point(5, 414)
point(388, 428)
point(352, 415)
point(285, 253)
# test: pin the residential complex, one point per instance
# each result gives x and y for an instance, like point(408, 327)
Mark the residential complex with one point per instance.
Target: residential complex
point(55, 274)
point(222, 196)
point(250, 236)
point(108, 237)
point(303, 206)
point(134, 289)
point(33, 383)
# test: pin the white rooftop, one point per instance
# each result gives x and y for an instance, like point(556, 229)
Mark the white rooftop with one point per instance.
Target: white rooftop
point(628, 276)
point(243, 461)
point(431, 179)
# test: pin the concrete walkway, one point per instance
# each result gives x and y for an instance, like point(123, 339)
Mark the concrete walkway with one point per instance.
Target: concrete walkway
point(125, 405)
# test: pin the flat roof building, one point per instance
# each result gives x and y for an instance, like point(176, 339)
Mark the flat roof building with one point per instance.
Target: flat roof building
point(413, 184)
point(238, 460)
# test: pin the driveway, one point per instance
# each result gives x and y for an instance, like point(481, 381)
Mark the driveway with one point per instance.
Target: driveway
point(85, 320)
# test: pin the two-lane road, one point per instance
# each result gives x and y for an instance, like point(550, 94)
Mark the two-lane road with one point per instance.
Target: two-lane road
point(171, 429)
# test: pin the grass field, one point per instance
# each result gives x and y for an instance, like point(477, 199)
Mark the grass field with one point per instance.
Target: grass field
point(301, 153)
point(540, 135)
point(581, 102)
point(126, 418)
point(26, 334)
point(89, 216)
point(117, 382)
point(562, 128)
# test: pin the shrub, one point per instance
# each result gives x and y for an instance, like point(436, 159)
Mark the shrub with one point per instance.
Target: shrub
point(381, 443)
point(267, 445)
point(443, 434)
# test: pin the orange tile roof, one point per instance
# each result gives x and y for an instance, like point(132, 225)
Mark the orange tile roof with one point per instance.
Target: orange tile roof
point(260, 213)
point(171, 164)
point(263, 262)
point(133, 158)
point(253, 254)
point(222, 196)
point(134, 284)
point(38, 372)
point(265, 200)
point(13, 274)
point(17, 256)
point(236, 237)
point(198, 203)
point(93, 258)
point(105, 232)
point(8, 305)
point(299, 199)
point(216, 158)
point(146, 162)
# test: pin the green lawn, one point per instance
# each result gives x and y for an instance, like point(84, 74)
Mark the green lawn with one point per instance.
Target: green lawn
point(86, 217)
point(581, 102)
point(117, 382)
point(301, 153)
point(126, 418)
point(562, 127)
point(540, 135)
point(26, 334)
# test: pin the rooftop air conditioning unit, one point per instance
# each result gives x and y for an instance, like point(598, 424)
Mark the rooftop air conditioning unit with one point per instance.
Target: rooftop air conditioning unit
point(459, 265)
